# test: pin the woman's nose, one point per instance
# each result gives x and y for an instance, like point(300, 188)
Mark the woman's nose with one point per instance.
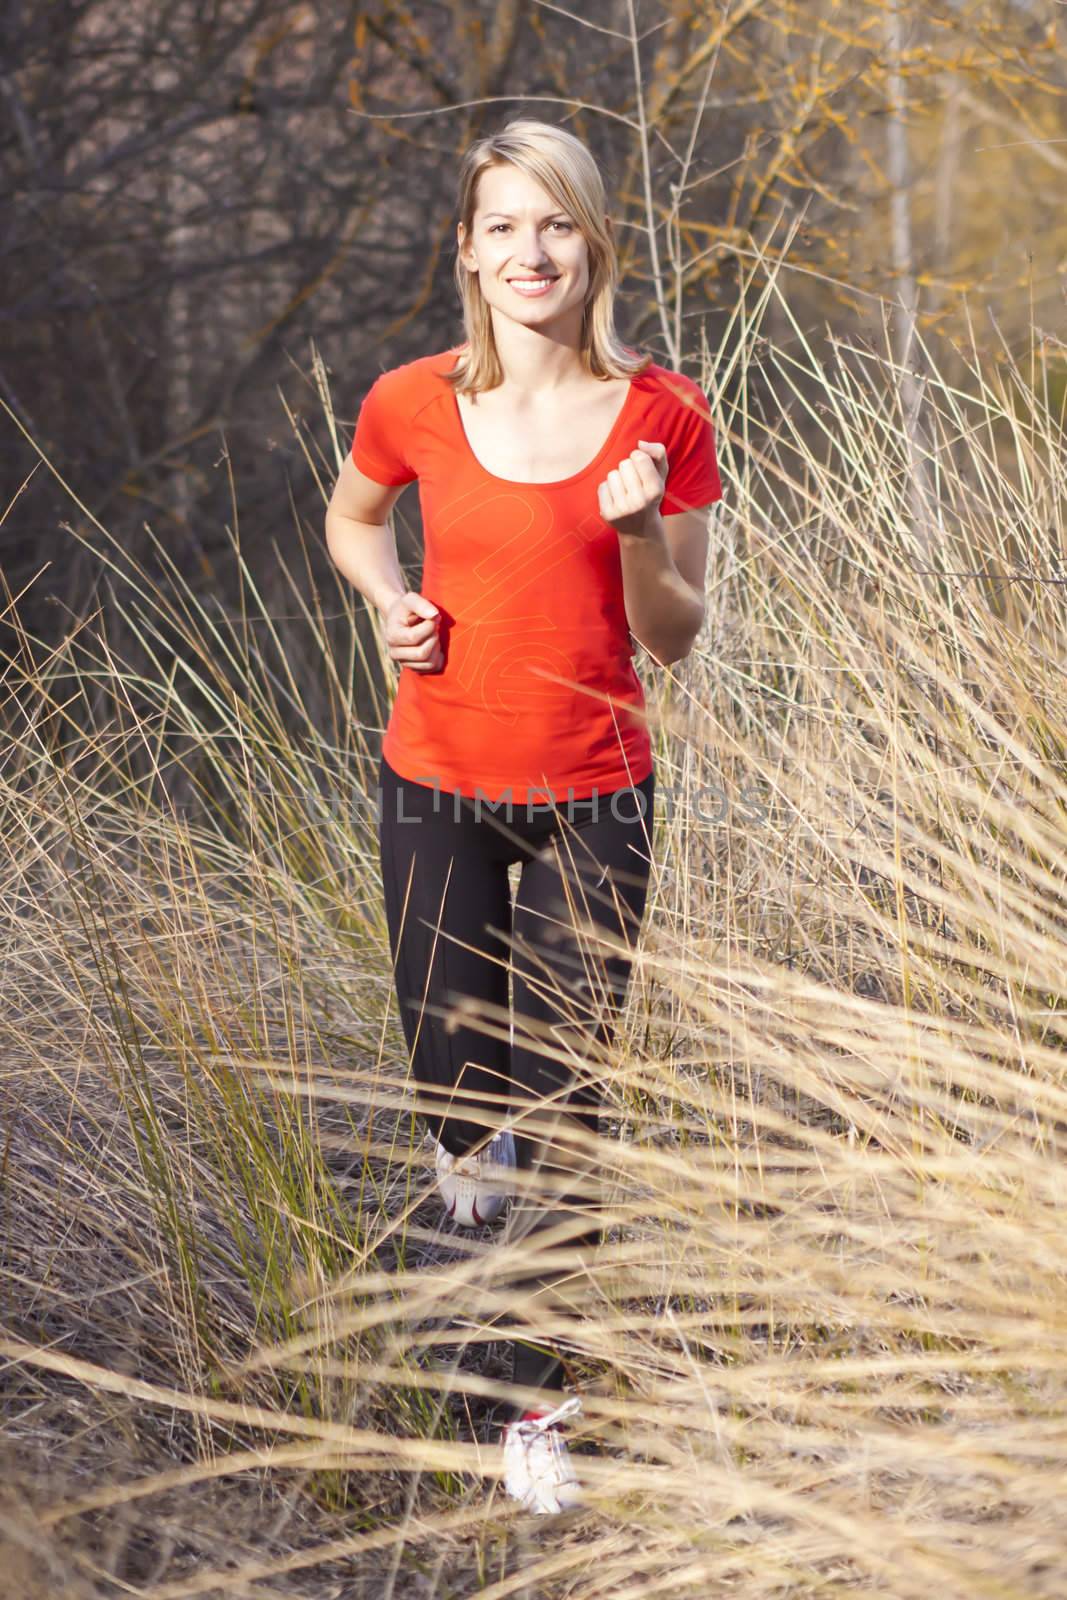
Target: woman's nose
point(532, 252)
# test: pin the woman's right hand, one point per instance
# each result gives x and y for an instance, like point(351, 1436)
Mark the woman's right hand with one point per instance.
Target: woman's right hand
point(411, 632)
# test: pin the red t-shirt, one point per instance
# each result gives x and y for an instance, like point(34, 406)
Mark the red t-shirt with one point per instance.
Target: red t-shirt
point(538, 696)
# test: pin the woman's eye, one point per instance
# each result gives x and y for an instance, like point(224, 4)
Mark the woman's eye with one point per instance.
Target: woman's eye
point(496, 225)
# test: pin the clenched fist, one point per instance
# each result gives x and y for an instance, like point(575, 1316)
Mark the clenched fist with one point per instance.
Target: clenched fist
point(630, 495)
point(412, 633)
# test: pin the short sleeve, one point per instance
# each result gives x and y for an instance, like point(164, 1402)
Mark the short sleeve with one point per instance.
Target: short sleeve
point(381, 431)
point(692, 467)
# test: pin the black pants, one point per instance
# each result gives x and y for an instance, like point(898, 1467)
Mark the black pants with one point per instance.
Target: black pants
point(454, 933)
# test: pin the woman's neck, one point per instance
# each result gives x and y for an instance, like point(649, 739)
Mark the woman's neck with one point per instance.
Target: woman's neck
point(538, 364)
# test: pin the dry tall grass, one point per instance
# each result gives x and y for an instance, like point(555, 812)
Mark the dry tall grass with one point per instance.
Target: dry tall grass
point(827, 1350)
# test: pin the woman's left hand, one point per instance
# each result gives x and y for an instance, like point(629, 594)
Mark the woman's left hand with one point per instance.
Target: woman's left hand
point(630, 494)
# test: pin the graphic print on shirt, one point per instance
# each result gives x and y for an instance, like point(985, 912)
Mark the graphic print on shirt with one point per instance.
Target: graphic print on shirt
point(499, 645)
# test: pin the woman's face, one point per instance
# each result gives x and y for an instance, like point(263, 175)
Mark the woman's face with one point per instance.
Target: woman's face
point(519, 233)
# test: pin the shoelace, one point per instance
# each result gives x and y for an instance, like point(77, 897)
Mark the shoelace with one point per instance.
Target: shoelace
point(569, 1408)
point(474, 1165)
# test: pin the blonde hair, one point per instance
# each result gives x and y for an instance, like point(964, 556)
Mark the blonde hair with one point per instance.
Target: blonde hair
point(566, 170)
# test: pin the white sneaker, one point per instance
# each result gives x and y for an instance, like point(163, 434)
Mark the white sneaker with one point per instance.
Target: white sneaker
point(537, 1464)
point(474, 1187)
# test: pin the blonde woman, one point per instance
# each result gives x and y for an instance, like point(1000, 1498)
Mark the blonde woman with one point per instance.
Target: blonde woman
point(564, 480)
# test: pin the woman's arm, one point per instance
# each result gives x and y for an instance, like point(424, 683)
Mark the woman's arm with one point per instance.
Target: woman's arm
point(359, 537)
point(663, 558)
point(663, 576)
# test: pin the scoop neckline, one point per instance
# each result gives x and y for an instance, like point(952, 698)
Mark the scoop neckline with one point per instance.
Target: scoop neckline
point(545, 483)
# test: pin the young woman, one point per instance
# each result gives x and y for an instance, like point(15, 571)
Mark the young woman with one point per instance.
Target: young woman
point(564, 481)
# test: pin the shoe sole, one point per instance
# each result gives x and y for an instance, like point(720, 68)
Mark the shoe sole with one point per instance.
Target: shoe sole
point(478, 1220)
point(533, 1511)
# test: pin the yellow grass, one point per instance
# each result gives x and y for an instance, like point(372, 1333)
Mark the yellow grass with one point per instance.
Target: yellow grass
point(825, 1345)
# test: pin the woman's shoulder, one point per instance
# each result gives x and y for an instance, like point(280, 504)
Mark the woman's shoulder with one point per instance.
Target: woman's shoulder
point(676, 388)
point(397, 397)
point(410, 385)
